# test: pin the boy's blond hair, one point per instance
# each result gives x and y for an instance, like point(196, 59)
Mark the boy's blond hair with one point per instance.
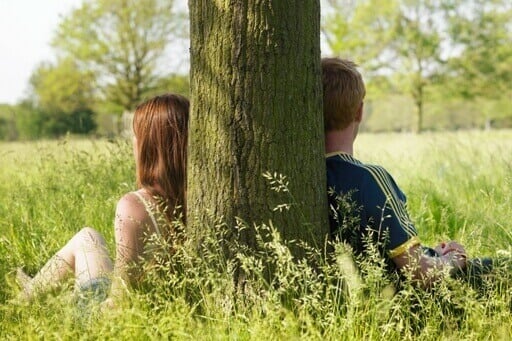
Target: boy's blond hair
point(343, 92)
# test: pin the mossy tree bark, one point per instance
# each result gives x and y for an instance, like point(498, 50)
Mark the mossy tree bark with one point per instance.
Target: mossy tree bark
point(256, 108)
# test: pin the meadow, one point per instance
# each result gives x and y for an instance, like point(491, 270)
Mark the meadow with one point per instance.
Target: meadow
point(458, 184)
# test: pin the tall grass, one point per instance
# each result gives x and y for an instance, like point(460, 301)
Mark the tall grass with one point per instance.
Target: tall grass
point(459, 186)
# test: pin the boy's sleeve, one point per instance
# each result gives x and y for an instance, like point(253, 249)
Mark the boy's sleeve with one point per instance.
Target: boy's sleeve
point(385, 205)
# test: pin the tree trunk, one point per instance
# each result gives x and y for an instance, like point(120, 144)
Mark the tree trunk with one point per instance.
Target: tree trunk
point(418, 101)
point(419, 116)
point(256, 108)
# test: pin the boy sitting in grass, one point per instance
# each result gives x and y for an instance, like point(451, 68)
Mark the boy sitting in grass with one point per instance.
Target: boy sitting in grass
point(374, 199)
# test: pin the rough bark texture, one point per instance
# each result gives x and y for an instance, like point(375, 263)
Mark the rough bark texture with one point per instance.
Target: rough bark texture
point(256, 107)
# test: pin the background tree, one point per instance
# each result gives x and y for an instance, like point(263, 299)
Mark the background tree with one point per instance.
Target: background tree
point(8, 129)
point(64, 96)
point(62, 86)
point(482, 70)
point(417, 50)
point(256, 108)
point(24, 121)
point(402, 40)
point(123, 43)
point(355, 30)
point(175, 83)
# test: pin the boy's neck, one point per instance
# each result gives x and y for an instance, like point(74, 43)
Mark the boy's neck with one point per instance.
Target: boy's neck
point(340, 141)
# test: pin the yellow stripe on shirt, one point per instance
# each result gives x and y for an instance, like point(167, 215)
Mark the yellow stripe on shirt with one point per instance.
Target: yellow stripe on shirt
point(397, 251)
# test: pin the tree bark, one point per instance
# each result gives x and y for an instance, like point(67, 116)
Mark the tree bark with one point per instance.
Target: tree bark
point(256, 108)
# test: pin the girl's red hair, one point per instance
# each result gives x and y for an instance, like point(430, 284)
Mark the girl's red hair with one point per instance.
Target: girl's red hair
point(160, 126)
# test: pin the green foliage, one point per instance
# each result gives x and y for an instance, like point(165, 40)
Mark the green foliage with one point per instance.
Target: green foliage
point(402, 39)
point(110, 56)
point(417, 44)
point(458, 186)
point(455, 48)
point(354, 30)
point(61, 101)
point(62, 87)
point(20, 121)
point(7, 122)
point(122, 43)
point(27, 123)
point(482, 32)
point(175, 83)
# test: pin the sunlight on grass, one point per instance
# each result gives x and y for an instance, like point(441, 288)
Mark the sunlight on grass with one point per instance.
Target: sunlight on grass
point(459, 186)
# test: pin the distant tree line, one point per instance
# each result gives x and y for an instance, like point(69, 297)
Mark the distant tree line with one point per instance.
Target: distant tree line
point(110, 55)
point(428, 64)
point(432, 56)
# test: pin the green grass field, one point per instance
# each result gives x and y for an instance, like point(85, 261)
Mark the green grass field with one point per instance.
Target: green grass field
point(459, 186)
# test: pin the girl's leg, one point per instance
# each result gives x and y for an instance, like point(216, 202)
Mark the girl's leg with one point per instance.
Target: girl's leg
point(85, 255)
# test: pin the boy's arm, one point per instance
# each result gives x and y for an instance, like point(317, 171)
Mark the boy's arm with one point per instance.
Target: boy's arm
point(426, 269)
point(405, 249)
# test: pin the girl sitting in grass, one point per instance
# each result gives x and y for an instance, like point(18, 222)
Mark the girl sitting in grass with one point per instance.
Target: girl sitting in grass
point(159, 146)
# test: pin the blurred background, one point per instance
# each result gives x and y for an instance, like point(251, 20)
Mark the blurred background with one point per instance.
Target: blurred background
point(81, 66)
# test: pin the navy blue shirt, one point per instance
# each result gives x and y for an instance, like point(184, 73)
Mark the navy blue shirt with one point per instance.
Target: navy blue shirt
point(366, 205)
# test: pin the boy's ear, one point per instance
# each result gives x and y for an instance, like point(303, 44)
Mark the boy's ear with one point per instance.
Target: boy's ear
point(359, 114)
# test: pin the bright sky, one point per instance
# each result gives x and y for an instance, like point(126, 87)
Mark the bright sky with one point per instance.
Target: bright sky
point(26, 29)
